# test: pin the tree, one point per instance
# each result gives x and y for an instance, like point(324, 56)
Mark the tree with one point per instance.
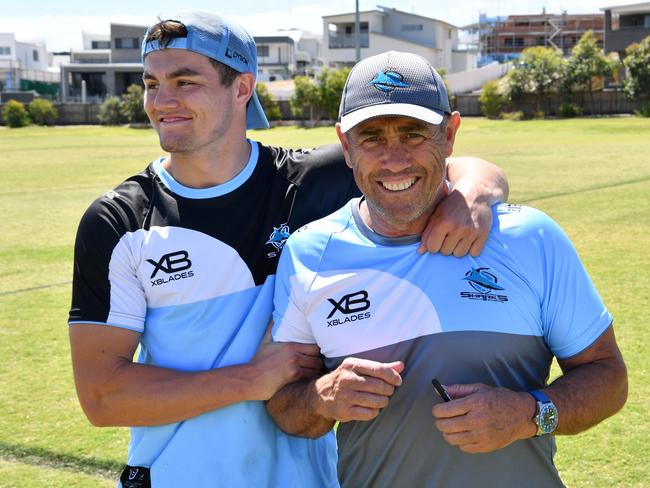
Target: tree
point(491, 99)
point(305, 96)
point(270, 106)
point(538, 73)
point(132, 105)
point(637, 83)
point(110, 112)
point(14, 114)
point(42, 112)
point(587, 63)
point(330, 90)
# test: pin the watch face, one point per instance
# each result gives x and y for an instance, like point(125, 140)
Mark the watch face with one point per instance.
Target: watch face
point(548, 418)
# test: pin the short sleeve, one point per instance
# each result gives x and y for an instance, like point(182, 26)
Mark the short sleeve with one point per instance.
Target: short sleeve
point(105, 285)
point(290, 322)
point(573, 313)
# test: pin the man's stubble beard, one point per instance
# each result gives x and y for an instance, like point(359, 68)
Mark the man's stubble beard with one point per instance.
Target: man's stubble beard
point(190, 143)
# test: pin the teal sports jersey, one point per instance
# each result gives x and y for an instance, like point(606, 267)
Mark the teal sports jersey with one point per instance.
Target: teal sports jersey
point(193, 272)
point(496, 319)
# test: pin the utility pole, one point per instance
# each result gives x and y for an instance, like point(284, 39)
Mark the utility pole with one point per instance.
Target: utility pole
point(357, 34)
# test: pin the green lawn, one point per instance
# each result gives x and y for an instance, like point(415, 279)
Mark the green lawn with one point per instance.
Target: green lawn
point(591, 175)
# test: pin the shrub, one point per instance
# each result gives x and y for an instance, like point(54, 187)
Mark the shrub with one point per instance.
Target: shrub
point(42, 112)
point(645, 110)
point(539, 114)
point(305, 96)
point(133, 105)
point(110, 113)
point(14, 114)
point(269, 104)
point(491, 100)
point(569, 110)
point(519, 115)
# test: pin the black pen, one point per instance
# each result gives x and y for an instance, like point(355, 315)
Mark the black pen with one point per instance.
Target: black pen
point(440, 390)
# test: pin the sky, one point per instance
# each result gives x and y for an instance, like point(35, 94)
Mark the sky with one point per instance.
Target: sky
point(60, 23)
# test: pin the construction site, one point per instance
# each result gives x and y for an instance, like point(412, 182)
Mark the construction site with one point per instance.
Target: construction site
point(504, 38)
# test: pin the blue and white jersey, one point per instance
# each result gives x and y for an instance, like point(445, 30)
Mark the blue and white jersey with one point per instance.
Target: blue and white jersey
point(193, 272)
point(496, 319)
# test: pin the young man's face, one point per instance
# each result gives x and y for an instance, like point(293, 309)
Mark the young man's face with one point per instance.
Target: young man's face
point(185, 100)
point(399, 165)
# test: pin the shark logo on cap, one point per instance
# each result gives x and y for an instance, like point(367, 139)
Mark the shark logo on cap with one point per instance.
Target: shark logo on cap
point(388, 81)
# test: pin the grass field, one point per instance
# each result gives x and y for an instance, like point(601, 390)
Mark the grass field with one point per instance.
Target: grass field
point(591, 175)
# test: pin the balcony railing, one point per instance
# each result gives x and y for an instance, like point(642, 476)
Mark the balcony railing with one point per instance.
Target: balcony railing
point(346, 41)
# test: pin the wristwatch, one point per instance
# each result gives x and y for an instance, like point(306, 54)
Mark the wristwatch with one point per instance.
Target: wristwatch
point(546, 417)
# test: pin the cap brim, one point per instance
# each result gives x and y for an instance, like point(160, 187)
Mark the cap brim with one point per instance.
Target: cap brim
point(390, 109)
point(255, 116)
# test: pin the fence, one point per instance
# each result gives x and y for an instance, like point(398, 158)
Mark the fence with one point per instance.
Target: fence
point(605, 102)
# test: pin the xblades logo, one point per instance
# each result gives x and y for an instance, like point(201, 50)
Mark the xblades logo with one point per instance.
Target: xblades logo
point(174, 262)
point(350, 305)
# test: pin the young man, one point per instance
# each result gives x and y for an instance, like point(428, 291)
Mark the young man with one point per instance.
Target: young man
point(180, 260)
point(388, 320)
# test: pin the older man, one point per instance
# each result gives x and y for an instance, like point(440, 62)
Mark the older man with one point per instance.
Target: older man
point(389, 320)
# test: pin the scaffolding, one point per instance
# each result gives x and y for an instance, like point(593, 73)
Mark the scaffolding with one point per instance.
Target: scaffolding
point(505, 38)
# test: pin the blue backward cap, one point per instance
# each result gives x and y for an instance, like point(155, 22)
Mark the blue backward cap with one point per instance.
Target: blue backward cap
point(224, 41)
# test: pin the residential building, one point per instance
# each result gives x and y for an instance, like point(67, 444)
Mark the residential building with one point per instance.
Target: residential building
point(285, 53)
point(624, 25)
point(385, 29)
point(505, 39)
point(276, 56)
point(108, 64)
point(24, 66)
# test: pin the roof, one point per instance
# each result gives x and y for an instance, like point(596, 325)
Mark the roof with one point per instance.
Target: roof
point(386, 11)
point(269, 39)
point(634, 8)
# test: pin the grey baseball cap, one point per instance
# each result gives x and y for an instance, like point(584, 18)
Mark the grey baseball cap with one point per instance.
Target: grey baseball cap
point(393, 83)
point(222, 40)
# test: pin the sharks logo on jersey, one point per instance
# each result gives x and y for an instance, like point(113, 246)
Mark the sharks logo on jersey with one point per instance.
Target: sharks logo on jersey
point(277, 239)
point(484, 283)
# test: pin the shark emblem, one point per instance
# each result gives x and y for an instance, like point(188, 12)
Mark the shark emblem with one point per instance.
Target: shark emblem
point(388, 81)
point(481, 280)
point(277, 239)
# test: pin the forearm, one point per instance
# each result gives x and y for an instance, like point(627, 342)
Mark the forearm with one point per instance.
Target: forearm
point(589, 394)
point(139, 394)
point(293, 410)
point(478, 179)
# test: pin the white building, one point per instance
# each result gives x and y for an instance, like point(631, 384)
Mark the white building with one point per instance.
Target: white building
point(22, 61)
point(387, 29)
point(284, 53)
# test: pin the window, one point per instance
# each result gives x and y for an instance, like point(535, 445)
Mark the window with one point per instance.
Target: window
point(127, 43)
point(100, 45)
point(448, 33)
point(646, 22)
point(5, 50)
point(516, 41)
point(411, 27)
point(262, 50)
point(632, 21)
point(35, 55)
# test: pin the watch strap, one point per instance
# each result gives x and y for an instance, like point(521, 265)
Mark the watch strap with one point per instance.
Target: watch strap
point(540, 396)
